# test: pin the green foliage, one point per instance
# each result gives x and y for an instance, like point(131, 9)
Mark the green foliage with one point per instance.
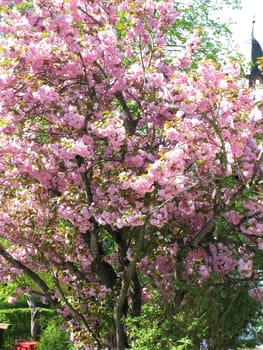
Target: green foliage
point(223, 310)
point(145, 332)
point(54, 337)
point(25, 6)
point(5, 291)
point(216, 36)
point(219, 311)
point(257, 329)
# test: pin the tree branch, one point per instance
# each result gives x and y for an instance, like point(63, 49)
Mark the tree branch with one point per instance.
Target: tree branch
point(103, 270)
point(130, 123)
point(90, 16)
point(85, 179)
point(42, 285)
point(257, 164)
point(78, 314)
point(72, 268)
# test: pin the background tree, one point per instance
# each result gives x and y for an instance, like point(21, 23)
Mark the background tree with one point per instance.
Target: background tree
point(126, 177)
point(216, 39)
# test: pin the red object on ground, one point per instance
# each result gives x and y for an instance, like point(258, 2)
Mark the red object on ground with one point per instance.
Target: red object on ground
point(27, 345)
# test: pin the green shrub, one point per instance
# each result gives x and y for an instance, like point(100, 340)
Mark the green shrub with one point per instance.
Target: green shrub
point(54, 337)
point(218, 312)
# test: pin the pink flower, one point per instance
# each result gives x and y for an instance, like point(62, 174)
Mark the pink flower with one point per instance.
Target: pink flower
point(74, 120)
point(186, 207)
point(256, 293)
point(260, 244)
point(233, 217)
point(20, 291)
point(204, 271)
point(164, 265)
point(222, 259)
point(135, 161)
point(171, 134)
point(194, 42)
point(245, 268)
point(12, 299)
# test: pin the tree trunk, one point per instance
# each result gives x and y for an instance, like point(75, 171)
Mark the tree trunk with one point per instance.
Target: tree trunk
point(35, 312)
point(121, 340)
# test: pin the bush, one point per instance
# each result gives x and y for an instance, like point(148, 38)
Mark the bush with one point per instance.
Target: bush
point(54, 337)
point(21, 304)
point(218, 312)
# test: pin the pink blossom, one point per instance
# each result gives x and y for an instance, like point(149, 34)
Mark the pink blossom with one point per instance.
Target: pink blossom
point(233, 217)
point(257, 294)
point(260, 244)
point(74, 120)
point(194, 42)
point(186, 207)
point(223, 262)
point(245, 267)
point(164, 266)
point(204, 272)
point(12, 299)
point(20, 291)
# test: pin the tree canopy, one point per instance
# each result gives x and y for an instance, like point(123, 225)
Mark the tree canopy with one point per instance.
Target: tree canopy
point(128, 180)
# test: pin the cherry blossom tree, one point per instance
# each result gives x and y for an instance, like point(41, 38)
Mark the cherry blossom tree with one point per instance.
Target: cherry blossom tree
point(123, 172)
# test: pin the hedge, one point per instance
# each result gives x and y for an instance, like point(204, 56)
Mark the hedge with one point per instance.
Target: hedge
point(19, 318)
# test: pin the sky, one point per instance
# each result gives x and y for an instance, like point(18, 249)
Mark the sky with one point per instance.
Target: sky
point(242, 27)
